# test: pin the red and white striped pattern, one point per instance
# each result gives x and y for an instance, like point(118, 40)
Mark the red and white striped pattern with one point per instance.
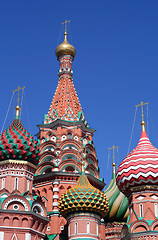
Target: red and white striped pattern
point(139, 167)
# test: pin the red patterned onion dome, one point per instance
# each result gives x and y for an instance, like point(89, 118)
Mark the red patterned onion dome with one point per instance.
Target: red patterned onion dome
point(140, 166)
point(17, 143)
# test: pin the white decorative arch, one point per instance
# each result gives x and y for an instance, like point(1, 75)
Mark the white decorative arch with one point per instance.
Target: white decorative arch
point(16, 200)
point(40, 207)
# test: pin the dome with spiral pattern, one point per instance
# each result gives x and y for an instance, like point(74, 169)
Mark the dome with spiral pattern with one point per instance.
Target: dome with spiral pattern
point(118, 203)
point(83, 198)
point(140, 166)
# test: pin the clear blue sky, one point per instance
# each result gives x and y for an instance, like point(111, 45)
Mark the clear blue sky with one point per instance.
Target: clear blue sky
point(116, 65)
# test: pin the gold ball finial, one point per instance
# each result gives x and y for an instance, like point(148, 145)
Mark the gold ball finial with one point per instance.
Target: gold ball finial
point(17, 108)
point(143, 125)
point(65, 48)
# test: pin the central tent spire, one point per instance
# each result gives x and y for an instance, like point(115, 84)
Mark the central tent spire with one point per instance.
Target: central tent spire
point(65, 104)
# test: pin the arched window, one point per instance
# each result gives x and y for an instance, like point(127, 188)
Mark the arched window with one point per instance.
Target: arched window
point(76, 228)
point(141, 210)
point(88, 227)
point(69, 136)
point(16, 183)
point(3, 183)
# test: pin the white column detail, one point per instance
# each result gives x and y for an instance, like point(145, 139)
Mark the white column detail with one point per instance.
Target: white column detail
point(2, 235)
point(27, 236)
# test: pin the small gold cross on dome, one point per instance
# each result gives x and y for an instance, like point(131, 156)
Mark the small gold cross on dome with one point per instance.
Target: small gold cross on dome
point(141, 105)
point(66, 24)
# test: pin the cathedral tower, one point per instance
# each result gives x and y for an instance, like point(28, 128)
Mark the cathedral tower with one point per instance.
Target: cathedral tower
point(65, 139)
point(23, 214)
point(137, 178)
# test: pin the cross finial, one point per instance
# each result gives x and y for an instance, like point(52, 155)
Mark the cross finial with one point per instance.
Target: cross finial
point(18, 107)
point(66, 24)
point(113, 164)
point(142, 122)
point(142, 104)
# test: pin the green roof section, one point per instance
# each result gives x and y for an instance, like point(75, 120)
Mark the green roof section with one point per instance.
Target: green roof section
point(118, 203)
point(51, 236)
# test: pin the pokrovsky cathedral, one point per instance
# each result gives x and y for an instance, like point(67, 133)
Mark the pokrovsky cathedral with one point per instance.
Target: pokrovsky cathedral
point(51, 188)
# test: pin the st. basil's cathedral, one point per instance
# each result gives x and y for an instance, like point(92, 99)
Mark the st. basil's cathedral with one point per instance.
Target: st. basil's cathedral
point(51, 188)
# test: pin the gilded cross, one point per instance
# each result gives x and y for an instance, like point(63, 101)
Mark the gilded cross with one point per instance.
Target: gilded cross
point(18, 89)
point(66, 24)
point(113, 148)
point(141, 105)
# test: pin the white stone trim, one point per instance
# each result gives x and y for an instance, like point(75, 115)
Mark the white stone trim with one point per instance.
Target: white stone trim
point(2, 235)
point(55, 189)
point(55, 196)
point(56, 182)
point(55, 204)
point(7, 227)
point(27, 236)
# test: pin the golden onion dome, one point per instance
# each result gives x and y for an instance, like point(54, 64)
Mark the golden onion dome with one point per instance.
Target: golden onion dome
point(65, 48)
point(83, 198)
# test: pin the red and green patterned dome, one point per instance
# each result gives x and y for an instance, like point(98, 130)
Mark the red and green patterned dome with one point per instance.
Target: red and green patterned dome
point(17, 143)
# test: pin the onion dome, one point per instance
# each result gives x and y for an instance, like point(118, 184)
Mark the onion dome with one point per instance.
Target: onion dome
point(65, 48)
point(83, 198)
point(17, 143)
point(140, 166)
point(118, 203)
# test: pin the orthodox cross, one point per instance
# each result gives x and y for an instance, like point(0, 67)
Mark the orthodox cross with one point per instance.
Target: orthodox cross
point(142, 104)
point(66, 24)
point(113, 148)
point(18, 89)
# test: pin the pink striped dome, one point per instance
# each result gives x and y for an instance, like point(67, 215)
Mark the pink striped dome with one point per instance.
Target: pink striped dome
point(140, 167)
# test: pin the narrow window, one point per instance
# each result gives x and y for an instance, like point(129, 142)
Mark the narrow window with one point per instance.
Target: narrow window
point(88, 227)
point(3, 183)
point(69, 231)
point(97, 230)
point(28, 185)
point(16, 183)
point(69, 136)
point(141, 210)
point(75, 228)
point(156, 210)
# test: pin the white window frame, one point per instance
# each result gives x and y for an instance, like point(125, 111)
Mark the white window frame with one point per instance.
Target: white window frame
point(156, 209)
point(88, 227)
point(16, 183)
point(28, 185)
point(3, 183)
point(76, 227)
point(141, 209)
